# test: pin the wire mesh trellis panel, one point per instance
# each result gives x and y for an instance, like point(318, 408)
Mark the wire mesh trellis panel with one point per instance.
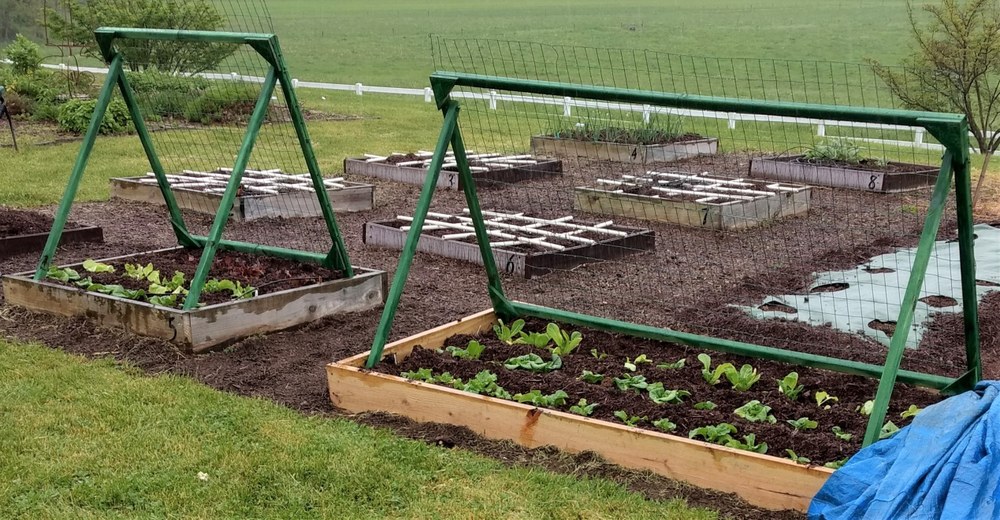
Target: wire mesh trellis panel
point(780, 222)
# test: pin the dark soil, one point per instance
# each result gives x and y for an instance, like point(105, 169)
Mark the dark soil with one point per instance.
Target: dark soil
point(15, 222)
point(266, 274)
point(866, 165)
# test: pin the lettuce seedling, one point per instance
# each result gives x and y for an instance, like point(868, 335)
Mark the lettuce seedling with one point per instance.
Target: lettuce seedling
point(485, 383)
point(582, 407)
point(565, 342)
point(799, 460)
point(888, 430)
point(92, 266)
point(534, 363)
point(755, 411)
point(591, 377)
point(665, 424)
point(534, 339)
point(138, 271)
point(822, 398)
point(237, 289)
point(421, 374)
point(676, 365)
point(472, 352)
point(836, 464)
point(803, 423)
point(705, 405)
point(912, 411)
point(630, 420)
point(743, 379)
point(598, 355)
point(841, 434)
point(660, 395)
point(535, 397)
point(628, 382)
point(718, 434)
point(64, 274)
point(749, 444)
point(789, 386)
point(866, 408)
point(633, 364)
point(507, 334)
point(165, 300)
point(710, 376)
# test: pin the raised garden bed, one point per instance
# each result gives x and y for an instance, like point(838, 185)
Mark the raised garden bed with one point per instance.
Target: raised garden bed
point(270, 294)
point(868, 175)
point(411, 168)
point(694, 200)
point(263, 193)
point(484, 404)
point(27, 232)
point(524, 246)
point(683, 148)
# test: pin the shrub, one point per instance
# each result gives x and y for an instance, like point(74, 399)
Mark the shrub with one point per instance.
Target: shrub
point(17, 104)
point(26, 55)
point(39, 85)
point(74, 116)
point(222, 102)
point(44, 111)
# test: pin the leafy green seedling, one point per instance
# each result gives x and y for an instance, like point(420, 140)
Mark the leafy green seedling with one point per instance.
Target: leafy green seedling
point(705, 405)
point(755, 411)
point(582, 407)
point(472, 352)
point(742, 379)
point(866, 409)
point(565, 342)
point(92, 266)
point(789, 386)
point(64, 274)
point(534, 339)
point(421, 374)
point(749, 443)
point(912, 411)
point(718, 434)
point(165, 300)
point(841, 434)
point(591, 377)
point(597, 355)
point(485, 383)
point(627, 382)
point(139, 271)
point(507, 334)
point(446, 378)
point(676, 365)
point(630, 420)
point(660, 395)
point(237, 289)
point(535, 397)
point(665, 425)
point(888, 430)
point(534, 363)
point(632, 364)
point(822, 398)
point(836, 464)
point(800, 460)
point(803, 423)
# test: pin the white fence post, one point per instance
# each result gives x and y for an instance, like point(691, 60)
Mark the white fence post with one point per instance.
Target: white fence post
point(731, 123)
point(428, 95)
point(646, 111)
point(359, 89)
point(295, 83)
point(821, 130)
point(918, 136)
point(493, 100)
point(567, 107)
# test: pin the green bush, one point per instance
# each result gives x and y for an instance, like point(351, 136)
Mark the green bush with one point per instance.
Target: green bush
point(44, 111)
point(17, 104)
point(74, 116)
point(39, 86)
point(222, 102)
point(26, 55)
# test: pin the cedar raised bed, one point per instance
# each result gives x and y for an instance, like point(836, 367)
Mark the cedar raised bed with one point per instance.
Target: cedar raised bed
point(290, 196)
point(413, 169)
point(764, 480)
point(217, 322)
point(543, 145)
point(27, 231)
point(894, 177)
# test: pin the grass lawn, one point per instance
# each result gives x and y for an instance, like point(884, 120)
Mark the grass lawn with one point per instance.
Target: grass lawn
point(90, 440)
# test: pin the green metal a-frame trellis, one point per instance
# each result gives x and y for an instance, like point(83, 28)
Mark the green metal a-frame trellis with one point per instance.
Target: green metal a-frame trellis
point(266, 45)
point(949, 129)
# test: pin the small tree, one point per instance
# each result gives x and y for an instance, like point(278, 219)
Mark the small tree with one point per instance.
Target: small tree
point(78, 23)
point(25, 55)
point(955, 67)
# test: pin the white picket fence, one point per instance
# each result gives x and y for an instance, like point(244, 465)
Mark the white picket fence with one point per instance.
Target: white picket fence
point(568, 104)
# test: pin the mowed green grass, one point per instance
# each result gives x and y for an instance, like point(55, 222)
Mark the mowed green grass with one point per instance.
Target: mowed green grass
point(387, 42)
point(90, 440)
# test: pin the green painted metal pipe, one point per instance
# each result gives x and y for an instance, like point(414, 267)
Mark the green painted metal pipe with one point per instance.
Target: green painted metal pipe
point(135, 33)
point(229, 196)
point(967, 259)
point(59, 221)
point(410, 246)
point(728, 346)
point(897, 345)
point(442, 83)
point(258, 249)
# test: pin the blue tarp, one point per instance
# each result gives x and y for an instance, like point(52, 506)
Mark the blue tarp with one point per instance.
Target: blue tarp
point(943, 465)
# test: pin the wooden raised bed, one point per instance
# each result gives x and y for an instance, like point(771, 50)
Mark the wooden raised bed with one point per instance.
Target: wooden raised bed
point(898, 177)
point(34, 242)
point(619, 152)
point(377, 166)
point(694, 200)
point(292, 195)
point(524, 260)
point(762, 480)
point(206, 327)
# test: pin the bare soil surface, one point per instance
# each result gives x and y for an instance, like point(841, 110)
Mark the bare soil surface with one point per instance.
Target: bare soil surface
point(690, 282)
point(14, 222)
point(866, 165)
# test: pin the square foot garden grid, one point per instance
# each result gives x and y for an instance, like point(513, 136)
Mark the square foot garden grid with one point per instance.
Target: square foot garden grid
point(523, 245)
point(762, 480)
point(26, 232)
point(262, 194)
point(486, 168)
point(213, 324)
point(694, 200)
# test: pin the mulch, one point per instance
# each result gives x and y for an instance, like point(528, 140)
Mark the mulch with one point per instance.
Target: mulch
point(14, 222)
